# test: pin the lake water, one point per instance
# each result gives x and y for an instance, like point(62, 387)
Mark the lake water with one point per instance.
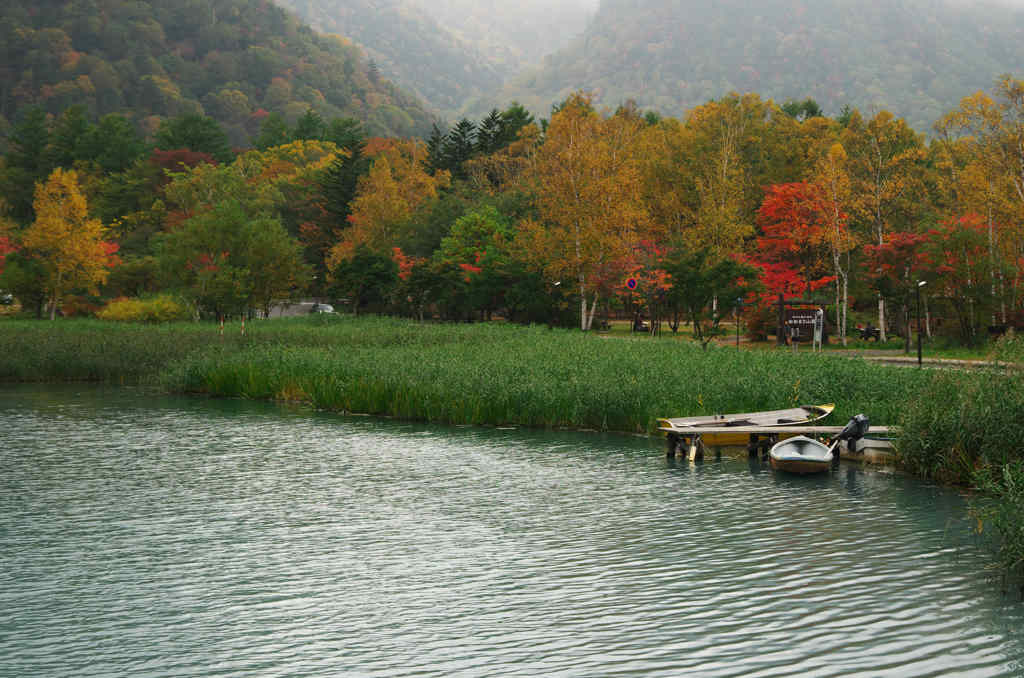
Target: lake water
point(143, 535)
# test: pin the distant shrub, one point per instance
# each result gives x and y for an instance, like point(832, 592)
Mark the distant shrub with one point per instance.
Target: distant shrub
point(78, 306)
point(159, 309)
point(1009, 348)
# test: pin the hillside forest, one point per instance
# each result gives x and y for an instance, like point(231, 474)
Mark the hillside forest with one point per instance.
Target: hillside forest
point(233, 60)
point(558, 221)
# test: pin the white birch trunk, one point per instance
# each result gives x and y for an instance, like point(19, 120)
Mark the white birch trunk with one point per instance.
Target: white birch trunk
point(590, 316)
point(927, 317)
point(881, 318)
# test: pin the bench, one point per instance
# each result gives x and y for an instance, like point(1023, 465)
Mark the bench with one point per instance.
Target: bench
point(870, 333)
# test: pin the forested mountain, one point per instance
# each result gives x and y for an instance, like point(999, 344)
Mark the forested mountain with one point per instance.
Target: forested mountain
point(916, 58)
point(234, 60)
point(451, 52)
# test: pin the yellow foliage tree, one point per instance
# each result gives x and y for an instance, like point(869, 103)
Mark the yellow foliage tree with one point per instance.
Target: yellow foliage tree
point(700, 178)
point(885, 164)
point(587, 178)
point(833, 181)
point(984, 143)
point(66, 241)
point(396, 185)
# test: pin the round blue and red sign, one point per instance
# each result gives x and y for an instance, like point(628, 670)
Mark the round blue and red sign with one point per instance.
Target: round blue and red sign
point(631, 283)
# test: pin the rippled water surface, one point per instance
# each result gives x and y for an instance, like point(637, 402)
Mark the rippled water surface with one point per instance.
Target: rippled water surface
point(154, 536)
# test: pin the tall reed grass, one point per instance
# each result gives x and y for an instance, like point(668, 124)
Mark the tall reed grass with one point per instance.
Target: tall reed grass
point(490, 374)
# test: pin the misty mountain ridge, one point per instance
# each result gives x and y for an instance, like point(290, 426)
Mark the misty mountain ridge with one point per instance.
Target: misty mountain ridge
point(915, 58)
point(450, 52)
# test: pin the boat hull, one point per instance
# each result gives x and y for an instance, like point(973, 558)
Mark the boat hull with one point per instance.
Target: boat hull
point(799, 465)
point(800, 455)
point(804, 414)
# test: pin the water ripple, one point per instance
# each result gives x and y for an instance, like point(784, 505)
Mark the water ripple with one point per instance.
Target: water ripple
point(151, 536)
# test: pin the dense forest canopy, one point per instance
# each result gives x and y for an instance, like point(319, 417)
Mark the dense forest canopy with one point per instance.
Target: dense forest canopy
point(234, 60)
point(126, 123)
point(915, 58)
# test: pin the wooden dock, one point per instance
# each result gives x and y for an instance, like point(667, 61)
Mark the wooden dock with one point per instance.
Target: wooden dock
point(688, 441)
point(767, 430)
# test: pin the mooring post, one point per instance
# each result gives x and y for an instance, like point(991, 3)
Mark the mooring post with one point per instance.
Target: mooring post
point(696, 449)
point(671, 444)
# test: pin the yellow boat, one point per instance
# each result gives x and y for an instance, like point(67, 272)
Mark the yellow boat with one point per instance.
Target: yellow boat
point(793, 416)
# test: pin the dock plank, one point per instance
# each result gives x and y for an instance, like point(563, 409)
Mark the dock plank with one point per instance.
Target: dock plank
point(695, 430)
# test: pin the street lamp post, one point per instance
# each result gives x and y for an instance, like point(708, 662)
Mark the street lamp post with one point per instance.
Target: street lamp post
point(920, 284)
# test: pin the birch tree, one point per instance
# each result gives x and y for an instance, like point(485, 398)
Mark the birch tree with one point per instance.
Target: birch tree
point(833, 182)
point(587, 179)
point(884, 163)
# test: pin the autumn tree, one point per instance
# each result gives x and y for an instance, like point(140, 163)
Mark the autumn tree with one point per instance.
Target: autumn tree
point(230, 261)
point(68, 244)
point(480, 244)
point(958, 252)
point(983, 144)
point(588, 182)
point(698, 277)
point(885, 158)
point(897, 266)
point(726, 132)
point(396, 185)
point(832, 184)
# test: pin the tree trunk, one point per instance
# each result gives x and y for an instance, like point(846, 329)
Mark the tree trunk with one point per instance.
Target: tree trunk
point(842, 287)
point(587, 311)
point(906, 329)
point(927, 317)
point(881, 318)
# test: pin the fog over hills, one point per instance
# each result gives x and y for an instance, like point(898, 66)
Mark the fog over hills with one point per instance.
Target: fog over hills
point(451, 52)
point(916, 58)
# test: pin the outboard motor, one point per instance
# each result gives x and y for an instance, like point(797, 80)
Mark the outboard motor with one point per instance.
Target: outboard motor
point(856, 429)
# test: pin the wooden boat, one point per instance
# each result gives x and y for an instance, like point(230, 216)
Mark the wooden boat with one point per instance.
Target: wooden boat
point(801, 454)
point(804, 414)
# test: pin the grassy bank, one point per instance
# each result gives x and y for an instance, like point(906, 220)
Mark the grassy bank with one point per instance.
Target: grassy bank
point(490, 374)
point(479, 374)
point(959, 427)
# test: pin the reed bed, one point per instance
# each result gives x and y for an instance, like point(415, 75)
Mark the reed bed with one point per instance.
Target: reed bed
point(535, 377)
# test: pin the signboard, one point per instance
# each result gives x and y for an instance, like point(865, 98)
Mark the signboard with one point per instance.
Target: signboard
point(631, 283)
point(800, 323)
